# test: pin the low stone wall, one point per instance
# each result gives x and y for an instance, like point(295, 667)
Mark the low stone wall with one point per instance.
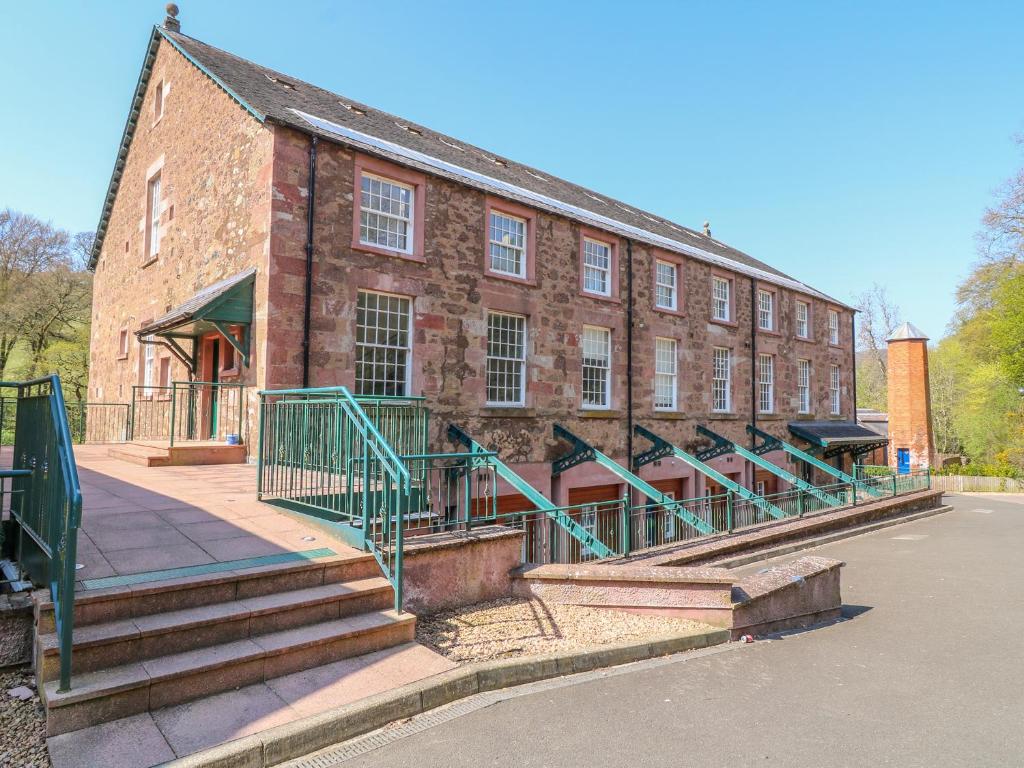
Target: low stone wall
point(703, 594)
point(787, 596)
point(448, 570)
point(15, 629)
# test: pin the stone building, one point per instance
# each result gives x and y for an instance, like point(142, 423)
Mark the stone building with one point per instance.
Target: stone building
point(261, 230)
point(911, 444)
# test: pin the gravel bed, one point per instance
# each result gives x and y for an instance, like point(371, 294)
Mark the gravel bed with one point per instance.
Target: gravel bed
point(511, 627)
point(22, 725)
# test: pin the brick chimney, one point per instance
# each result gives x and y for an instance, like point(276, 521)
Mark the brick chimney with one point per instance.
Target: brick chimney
point(910, 404)
point(171, 22)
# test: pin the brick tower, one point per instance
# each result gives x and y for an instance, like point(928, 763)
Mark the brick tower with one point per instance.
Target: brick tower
point(910, 407)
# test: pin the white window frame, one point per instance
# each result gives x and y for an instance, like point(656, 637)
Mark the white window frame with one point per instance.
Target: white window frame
point(153, 191)
point(669, 523)
point(365, 212)
point(803, 324)
point(719, 384)
point(721, 300)
point(759, 488)
point(607, 368)
point(148, 365)
point(834, 390)
point(833, 327)
point(506, 360)
point(803, 385)
point(510, 246)
point(666, 370)
point(765, 383)
point(593, 269)
point(159, 94)
point(406, 348)
point(670, 288)
point(765, 310)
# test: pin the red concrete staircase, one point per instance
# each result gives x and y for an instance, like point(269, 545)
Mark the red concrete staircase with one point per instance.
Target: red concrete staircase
point(151, 645)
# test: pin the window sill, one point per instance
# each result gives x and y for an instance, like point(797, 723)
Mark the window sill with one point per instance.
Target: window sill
point(598, 413)
point(766, 332)
point(804, 417)
point(233, 373)
point(836, 346)
point(507, 412)
point(770, 417)
point(723, 416)
point(726, 323)
point(122, 357)
point(151, 260)
point(807, 339)
point(670, 415)
point(599, 297)
point(667, 311)
point(417, 258)
point(528, 281)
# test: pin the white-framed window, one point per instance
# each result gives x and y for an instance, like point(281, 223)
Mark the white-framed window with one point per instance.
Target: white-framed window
point(766, 310)
point(803, 385)
point(383, 343)
point(833, 389)
point(153, 217)
point(588, 519)
point(765, 383)
point(803, 320)
point(759, 488)
point(122, 343)
point(666, 285)
point(507, 244)
point(386, 213)
point(669, 527)
point(148, 364)
point(665, 369)
point(506, 359)
point(833, 327)
point(597, 267)
point(597, 367)
point(721, 380)
point(720, 309)
point(158, 101)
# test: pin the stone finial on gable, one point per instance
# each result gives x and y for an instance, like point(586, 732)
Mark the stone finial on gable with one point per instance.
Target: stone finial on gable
point(171, 22)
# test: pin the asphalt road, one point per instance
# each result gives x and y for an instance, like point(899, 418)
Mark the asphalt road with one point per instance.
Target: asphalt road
point(928, 670)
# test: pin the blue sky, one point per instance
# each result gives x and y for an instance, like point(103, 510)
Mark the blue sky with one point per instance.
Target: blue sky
point(844, 143)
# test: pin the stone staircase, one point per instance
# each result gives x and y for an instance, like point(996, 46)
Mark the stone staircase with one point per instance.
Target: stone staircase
point(186, 454)
point(151, 645)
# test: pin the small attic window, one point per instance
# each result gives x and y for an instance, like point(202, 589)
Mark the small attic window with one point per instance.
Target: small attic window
point(158, 101)
point(497, 161)
point(453, 146)
point(536, 175)
point(410, 129)
point(352, 108)
point(280, 81)
point(594, 197)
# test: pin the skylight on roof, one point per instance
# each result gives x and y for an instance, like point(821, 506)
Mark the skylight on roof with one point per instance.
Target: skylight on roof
point(409, 128)
point(453, 146)
point(280, 81)
point(352, 108)
point(535, 175)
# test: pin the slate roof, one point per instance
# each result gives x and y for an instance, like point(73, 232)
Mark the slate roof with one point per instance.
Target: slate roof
point(271, 96)
point(826, 433)
point(194, 307)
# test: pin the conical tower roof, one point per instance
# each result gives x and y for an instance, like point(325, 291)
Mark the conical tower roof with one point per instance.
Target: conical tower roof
point(907, 332)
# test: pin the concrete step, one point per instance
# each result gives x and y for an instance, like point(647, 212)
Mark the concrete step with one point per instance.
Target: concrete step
point(120, 691)
point(100, 646)
point(141, 455)
point(102, 606)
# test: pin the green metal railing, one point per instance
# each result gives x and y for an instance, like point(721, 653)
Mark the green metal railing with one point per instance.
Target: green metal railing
point(46, 502)
point(188, 411)
point(320, 450)
point(88, 422)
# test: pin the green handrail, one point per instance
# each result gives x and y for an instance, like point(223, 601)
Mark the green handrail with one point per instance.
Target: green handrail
point(47, 504)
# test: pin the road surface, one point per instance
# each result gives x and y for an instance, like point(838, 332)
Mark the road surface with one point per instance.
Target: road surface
point(927, 670)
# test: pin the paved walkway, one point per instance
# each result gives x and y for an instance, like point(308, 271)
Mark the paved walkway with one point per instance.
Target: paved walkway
point(137, 519)
point(927, 672)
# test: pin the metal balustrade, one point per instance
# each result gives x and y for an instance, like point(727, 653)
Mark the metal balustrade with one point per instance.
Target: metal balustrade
point(46, 500)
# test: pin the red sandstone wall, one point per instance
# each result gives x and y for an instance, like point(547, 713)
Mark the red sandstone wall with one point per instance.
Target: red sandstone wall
point(215, 220)
point(452, 295)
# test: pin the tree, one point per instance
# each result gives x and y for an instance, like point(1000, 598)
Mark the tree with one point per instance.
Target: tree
point(28, 247)
point(879, 317)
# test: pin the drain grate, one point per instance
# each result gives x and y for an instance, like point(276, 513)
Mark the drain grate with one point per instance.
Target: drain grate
point(341, 753)
point(202, 570)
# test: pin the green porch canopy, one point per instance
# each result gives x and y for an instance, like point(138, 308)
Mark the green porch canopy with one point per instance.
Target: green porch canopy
point(217, 307)
point(833, 438)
